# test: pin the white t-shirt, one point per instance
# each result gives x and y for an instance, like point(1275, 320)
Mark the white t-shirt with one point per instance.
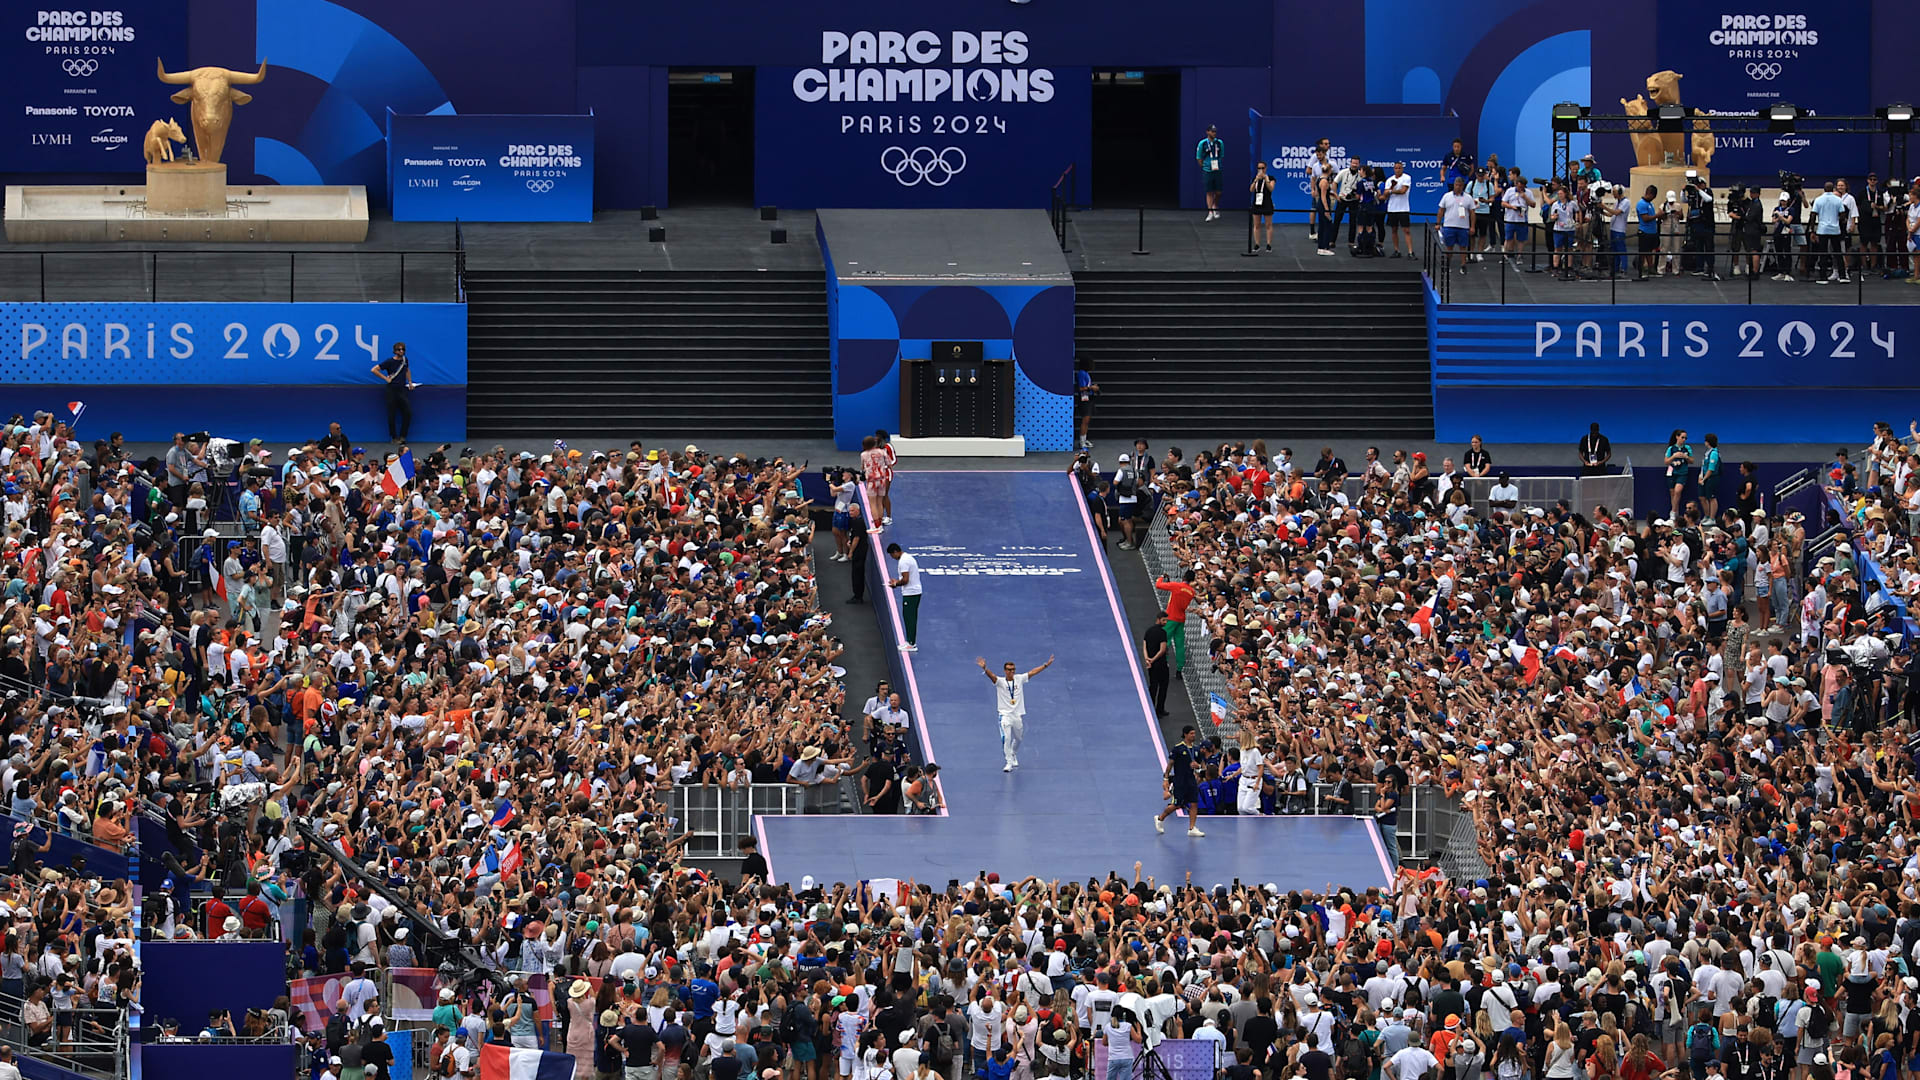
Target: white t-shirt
point(910, 570)
point(983, 1026)
point(1010, 695)
point(1456, 210)
point(1399, 191)
point(1413, 1062)
point(1515, 200)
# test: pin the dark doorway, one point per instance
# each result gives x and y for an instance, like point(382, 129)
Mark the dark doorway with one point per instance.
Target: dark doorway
point(710, 137)
point(1136, 138)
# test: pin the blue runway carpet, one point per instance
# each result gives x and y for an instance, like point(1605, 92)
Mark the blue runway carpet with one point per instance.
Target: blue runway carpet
point(1013, 572)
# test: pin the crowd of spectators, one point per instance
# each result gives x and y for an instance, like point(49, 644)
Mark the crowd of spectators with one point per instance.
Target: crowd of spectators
point(1693, 814)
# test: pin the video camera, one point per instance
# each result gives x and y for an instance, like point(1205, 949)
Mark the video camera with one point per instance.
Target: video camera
point(1792, 181)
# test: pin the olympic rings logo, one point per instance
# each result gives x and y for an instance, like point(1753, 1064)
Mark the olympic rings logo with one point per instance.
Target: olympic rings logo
point(539, 187)
point(935, 167)
point(80, 69)
point(1763, 72)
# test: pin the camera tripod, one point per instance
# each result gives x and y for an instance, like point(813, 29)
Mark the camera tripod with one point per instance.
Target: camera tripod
point(1152, 1066)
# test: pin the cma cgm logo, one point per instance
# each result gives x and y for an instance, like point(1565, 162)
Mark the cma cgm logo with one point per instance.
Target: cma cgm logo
point(108, 139)
point(465, 182)
point(1793, 340)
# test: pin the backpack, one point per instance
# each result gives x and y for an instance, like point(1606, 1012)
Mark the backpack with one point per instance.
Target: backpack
point(1766, 1012)
point(788, 1030)
point(1356, 1057)
point(1816, 1024)
point(932, 1042)
point(1703, 1041)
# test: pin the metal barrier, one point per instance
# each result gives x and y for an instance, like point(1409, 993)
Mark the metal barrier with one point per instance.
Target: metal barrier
point(715, 819)
point(95, 1043)
point(1200, 681)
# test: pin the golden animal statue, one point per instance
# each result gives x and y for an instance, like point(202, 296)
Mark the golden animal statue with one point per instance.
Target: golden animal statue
point(158, 148)
point(210, 90)
point(1651, 147)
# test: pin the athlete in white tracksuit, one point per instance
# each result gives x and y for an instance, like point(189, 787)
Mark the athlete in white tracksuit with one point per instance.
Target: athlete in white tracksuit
point(1010, 695)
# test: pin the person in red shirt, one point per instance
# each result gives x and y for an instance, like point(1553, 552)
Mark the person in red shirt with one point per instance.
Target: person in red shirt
point(1179, 595)
point(255, 913)
point(216, 913)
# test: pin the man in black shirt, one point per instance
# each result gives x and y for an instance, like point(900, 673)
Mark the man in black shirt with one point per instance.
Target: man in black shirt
point(1595, 451)
point(1159, 671)
point(397, 373)
point(1262, 1031)
point(376, 1051)
point(860, 544)
point(752, 863)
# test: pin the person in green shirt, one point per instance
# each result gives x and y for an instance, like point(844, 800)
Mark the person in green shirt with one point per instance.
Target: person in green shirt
point(1679, 459)
point(1208, 153)
point(1830, 965)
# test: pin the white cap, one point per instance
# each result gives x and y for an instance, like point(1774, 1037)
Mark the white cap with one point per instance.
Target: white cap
point(1670, 196)
point(1124, 457)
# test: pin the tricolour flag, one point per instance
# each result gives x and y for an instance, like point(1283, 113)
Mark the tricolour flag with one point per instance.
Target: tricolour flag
point(76, 408)
point(1422, 620)
point(1527, 657)
point(1561, 652)
point(1217, 707)
point(399, 473)
point(1632, 690)
point(502, 814)
point(499, 1061)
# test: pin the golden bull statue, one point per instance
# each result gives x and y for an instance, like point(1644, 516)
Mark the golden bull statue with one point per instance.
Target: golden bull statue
point(211, 91)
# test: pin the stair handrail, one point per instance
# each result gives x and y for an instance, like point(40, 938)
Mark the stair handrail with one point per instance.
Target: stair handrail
point(459, 261)
point(1058, 202)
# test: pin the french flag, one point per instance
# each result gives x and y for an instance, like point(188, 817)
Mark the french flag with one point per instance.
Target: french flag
point(1561, 652)
point(1422, 620)
point(1632, 690)
point(1528, 658)
point(1217, 707)
point(501, 1062)
point(502, 814)
point(399, 473)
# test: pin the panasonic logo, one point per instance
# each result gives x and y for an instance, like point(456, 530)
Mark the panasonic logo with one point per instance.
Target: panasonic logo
point(421, 161)
point(67, 110)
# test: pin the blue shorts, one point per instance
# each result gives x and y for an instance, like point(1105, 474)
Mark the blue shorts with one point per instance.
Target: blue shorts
point(1454, 236)
point(841, 519)
point(1562, 241)
point(1517, 230)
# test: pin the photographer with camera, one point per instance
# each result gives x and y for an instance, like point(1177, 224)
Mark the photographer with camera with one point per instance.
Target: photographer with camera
point(1785, 215)
point(1701, 227)
point(1746, 223)
point(1121, 1032)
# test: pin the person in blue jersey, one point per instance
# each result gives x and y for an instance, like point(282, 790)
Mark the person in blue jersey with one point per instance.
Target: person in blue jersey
point(1182, 789)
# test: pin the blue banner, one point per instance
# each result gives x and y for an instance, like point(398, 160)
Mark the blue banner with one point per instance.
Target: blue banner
point(1286, 144)
point(1742, 59)
point(911, 119)
point(84, 85)
point(150, 370)
point(229, 344)
point(1749, 373)
point(490, 168)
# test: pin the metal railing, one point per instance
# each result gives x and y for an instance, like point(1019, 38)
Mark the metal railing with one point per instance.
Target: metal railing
point(1058, 202)
point(1594, 259)
point(1201, 683)
point(90, 1041)
point(173, 274)
point(715, 819)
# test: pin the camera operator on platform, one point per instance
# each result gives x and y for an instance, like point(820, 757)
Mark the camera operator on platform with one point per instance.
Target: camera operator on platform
point(1700, 227)
point(1746, 225)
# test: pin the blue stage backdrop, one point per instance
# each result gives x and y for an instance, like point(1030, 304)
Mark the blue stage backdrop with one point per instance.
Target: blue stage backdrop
point(192, 1061)
point(252, 974)
point(908, 119)
point(150, 370)
point(1540, 374)
point(84, 84)
point(1743, 58)
point(490, 168)
point(1286, 144)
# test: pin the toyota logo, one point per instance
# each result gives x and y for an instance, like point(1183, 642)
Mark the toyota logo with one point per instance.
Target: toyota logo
point(1763, 72)
point(539, 187)
point(922, 163)
point(80, 69)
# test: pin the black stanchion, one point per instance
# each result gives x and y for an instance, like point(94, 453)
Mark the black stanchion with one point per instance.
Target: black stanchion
point(1251, 250)
point(1140, 243)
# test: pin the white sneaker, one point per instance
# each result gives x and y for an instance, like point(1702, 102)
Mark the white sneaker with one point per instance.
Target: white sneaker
point(1159, 826)
point(1786, 277)
point(1195, 831)
point(886, 521)
point(1008, 767)
point(871, 529)
point(909, 648)
point(1015, 763)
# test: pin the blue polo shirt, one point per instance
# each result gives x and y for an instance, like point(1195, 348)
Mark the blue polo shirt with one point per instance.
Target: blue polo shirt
point(1644, 213)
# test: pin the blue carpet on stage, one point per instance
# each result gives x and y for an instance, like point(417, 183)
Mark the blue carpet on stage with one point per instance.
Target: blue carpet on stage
point(1013, 572)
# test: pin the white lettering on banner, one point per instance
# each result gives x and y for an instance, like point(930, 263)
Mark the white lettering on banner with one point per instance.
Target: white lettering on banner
point(1795, 340)
point(71, 26)
point(890, 65)
point(106, 110)
point(536, 156)
point(1006, 561)
point(1764, 30)
point(59, 110)
point(422, 161)
point(107, 138)
point(279, 341)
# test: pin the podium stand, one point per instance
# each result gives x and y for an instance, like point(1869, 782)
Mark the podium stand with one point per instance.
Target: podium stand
point(956, 394)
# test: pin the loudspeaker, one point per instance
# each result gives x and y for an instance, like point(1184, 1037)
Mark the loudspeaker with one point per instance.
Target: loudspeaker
point(649, 213)
point(656, 234)
point(779, 236)
point(769, 213)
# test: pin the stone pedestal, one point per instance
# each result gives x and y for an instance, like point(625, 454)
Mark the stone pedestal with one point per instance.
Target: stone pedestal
point(1665, 177)
point(181, 187)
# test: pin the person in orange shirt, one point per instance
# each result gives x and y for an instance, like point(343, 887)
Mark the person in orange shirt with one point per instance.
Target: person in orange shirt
point(1443, 1039)
point(1179, 595)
